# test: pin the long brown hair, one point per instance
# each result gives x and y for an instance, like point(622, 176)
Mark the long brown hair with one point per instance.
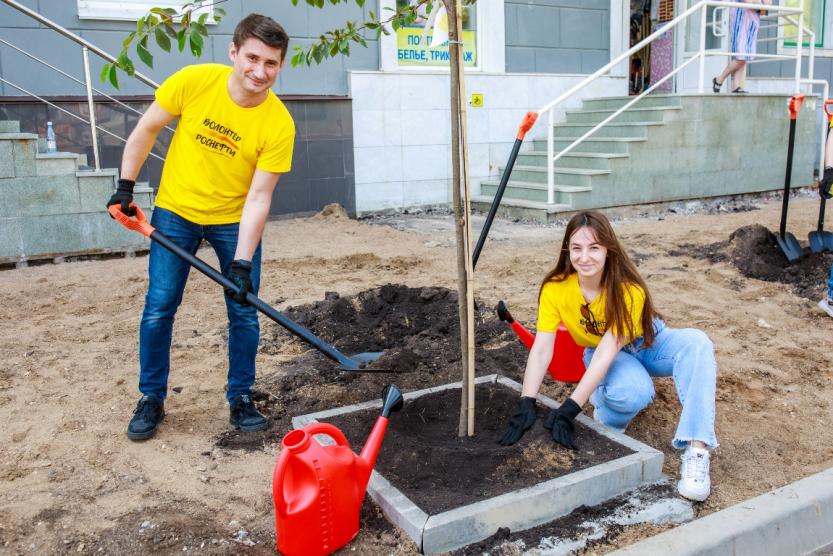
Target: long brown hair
point(618, 270)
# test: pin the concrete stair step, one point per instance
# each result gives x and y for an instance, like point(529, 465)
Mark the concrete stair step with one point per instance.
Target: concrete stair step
point(630, 129)
point(649, 101)
point(57, 164)
point(609, 145)
point(573, 159)
point(535, 211)
point(632, 114)
point(9, 126)
point(533, 191)
point(565, 175)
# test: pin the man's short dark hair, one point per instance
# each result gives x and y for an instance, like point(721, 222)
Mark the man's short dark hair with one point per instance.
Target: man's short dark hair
point(263, 28)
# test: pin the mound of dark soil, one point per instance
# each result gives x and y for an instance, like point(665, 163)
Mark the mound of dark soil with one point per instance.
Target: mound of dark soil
point(423, 456)
point(754, 250)
point(416, 328)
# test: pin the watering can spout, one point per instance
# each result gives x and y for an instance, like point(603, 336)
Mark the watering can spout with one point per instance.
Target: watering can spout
point(391, 401)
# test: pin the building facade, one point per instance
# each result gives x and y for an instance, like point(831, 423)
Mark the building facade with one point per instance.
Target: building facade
point(374, 127)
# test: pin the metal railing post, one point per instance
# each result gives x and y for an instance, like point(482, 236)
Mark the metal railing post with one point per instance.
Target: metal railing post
point(798, 43)
point(91, 104)
point(701, 70)
point(550, 155)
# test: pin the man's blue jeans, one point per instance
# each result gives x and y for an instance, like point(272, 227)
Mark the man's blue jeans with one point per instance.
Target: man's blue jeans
point(168, 274)
point(830, 284)
point(685, 354)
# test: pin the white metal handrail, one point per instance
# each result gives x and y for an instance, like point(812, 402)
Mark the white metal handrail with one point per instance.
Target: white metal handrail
point(549, 108)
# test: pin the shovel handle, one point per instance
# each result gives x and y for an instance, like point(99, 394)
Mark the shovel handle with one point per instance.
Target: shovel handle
point(526, 124)
point(795, 105)
point(140, 224)
point(827, 104)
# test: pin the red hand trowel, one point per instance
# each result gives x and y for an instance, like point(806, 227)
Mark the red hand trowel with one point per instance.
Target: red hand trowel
point(567, 363)
point(318, 490)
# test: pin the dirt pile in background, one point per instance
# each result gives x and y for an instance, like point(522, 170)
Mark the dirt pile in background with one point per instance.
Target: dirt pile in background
point(755, 252)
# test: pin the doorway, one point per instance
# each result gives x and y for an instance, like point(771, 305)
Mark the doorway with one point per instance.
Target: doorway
point(687, 45)
point(639, 75)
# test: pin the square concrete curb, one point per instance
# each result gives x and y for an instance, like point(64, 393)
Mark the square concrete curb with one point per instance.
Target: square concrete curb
point(518, 510)
point(792, 520)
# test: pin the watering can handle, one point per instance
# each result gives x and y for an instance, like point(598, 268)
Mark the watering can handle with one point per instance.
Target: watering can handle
point(330, 430)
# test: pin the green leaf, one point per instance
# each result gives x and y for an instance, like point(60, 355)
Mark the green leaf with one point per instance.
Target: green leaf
point(221, 11)
point(140, 25)
point(169, 29)
point(113, 76)
point(297, 59)
point(126, 64)
point(163, 12)
point(200, 28)
point(195, 41)
point(203, 17)
point(144, 54)
point(126, 42)
point(180, 39)
point(395, 24)
point(162, 39)
point(105, 71)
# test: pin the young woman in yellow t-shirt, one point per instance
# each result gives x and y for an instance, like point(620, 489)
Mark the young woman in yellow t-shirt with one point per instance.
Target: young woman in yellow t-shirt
point(596, 291)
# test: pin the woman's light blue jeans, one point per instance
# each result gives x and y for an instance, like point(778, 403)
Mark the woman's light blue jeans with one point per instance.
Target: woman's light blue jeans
point(168, 274)
point(687, 355)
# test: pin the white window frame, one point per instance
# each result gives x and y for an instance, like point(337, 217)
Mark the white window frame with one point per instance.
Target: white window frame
point(491, 39)
point(826, 51)
point(131, 10)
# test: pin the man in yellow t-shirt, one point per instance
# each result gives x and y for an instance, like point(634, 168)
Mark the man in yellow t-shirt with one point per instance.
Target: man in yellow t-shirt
point(233, 141)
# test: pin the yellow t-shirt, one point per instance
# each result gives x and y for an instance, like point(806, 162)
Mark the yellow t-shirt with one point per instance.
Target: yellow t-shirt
point(564, 302)
point(218, 145)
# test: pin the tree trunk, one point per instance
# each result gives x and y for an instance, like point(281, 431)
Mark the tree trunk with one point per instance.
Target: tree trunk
point(462, 212)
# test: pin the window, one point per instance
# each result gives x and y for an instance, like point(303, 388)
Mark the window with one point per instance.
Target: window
point(131, 10)
point(414, 43)
point(813, 20)
point(713, 24)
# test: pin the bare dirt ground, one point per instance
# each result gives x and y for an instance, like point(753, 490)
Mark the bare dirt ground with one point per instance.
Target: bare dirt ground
point(71, 481)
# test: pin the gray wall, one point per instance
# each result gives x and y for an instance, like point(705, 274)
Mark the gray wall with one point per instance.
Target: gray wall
point(557, 36)
point(303, 23)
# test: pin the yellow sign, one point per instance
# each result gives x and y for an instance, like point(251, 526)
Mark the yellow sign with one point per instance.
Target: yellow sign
point(412, 49)
point(477, 100)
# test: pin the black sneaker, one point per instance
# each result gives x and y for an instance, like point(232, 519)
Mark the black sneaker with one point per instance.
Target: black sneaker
point(245, 416)
point(148, 414)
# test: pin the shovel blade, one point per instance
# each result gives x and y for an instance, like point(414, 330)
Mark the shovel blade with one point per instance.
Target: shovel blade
point(821, 242)
point(790, 246)
point(358, 363)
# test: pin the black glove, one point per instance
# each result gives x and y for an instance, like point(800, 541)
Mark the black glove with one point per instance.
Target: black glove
point(123, 196)
point(520, 422)
point(826, 183)
point(240, 272)
point(561, 423)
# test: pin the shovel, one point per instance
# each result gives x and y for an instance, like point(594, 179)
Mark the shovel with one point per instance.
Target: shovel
point(821, 241)
point(789, 245)
point(526, 125)
point(356, 363)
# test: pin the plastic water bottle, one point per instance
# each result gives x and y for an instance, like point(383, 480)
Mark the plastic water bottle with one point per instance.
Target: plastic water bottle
point(51, 143)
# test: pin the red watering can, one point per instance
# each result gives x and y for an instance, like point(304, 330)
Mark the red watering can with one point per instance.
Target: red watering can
point(318, 490)
point(567, 363)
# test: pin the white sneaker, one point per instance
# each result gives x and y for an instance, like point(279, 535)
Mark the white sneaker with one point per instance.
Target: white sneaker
point(695, 483)
point(596, 418)
point(826, 305)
